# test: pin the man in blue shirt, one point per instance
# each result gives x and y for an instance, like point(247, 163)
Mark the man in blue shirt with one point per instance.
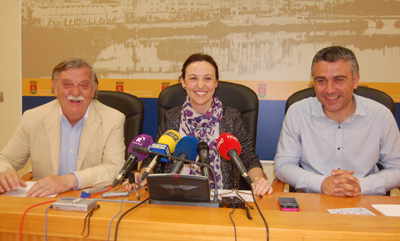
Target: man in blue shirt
point(331, 143)
point(73, 142)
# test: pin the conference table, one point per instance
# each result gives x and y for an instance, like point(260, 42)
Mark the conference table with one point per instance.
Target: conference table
point(175, 222)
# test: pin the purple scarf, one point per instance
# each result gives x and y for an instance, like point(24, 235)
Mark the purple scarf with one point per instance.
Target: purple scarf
point(203, 127)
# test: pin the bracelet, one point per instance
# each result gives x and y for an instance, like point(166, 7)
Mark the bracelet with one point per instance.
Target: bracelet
point(256, 178)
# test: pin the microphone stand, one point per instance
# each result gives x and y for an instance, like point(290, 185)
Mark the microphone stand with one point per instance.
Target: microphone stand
point(131, 177)
point(236, 178)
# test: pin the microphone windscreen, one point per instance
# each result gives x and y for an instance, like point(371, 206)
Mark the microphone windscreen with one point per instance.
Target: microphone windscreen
point(142, 140)
point(170, 138)
point(227, 142)
point(187, 145)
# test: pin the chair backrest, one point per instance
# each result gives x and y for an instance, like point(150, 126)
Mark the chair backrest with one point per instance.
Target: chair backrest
point(367, 92)
point(236, 95)
point(131, 106)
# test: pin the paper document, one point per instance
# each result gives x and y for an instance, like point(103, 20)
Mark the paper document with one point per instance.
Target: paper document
point(21, 191)
point(392, 210)
point(352, 211)
point(245, 194)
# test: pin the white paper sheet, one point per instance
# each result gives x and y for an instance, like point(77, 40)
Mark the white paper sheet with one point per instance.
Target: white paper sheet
point(392, 210)
point(351, 211)
point(21, 191)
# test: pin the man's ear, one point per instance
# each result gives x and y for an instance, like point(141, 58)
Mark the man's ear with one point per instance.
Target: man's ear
point(54, 87)
point(355, 82)
point(94, 90)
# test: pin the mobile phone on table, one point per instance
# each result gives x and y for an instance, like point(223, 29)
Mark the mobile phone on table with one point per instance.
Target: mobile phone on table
point(288, 204)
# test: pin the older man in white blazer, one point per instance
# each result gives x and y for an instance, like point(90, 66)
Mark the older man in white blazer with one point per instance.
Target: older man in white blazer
point(73, 142)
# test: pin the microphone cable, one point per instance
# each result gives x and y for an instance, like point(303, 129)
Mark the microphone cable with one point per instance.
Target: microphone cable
point(126, 212)
point(29, 208)
point(233, 222)
point(259, 211)
point(45, 226)
point(24, 214)
point(120, 210)
point(87, 219)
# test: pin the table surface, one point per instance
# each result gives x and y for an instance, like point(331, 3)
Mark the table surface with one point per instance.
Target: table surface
point(174, 222)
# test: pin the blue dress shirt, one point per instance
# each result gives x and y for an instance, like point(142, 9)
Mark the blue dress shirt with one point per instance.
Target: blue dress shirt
point(310, 139)
point(69, 149)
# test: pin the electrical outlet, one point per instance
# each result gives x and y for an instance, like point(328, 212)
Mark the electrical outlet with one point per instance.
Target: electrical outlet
point(1, 96)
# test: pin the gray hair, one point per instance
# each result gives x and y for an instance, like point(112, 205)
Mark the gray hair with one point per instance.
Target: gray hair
point(74, 63)
point(335, 53)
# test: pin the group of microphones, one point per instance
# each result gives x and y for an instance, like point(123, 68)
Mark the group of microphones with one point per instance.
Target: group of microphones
point(171, 146)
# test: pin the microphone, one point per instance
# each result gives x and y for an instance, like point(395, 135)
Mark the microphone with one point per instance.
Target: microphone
point(147, 151)
point(143, 141)
point(166, 145)
point(186, 149)
point(235, 178)
point(203, 150)
point(229, 148)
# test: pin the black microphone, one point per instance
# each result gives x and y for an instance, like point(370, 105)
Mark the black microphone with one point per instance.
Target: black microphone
point(229, 148)
point(143, 150)
point(142, 141)
point(203, 150)
point(235, 178)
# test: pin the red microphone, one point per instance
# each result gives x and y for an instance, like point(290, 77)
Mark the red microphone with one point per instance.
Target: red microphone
point(229, 148)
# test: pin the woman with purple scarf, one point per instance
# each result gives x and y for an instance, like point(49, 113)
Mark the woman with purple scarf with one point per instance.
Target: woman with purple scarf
point(205, 117)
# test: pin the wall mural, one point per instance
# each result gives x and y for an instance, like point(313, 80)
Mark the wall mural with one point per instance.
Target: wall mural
point(140, 45)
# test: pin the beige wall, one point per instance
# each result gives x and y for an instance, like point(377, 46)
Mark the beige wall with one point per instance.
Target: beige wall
point(10, 68)
point(10, 71)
